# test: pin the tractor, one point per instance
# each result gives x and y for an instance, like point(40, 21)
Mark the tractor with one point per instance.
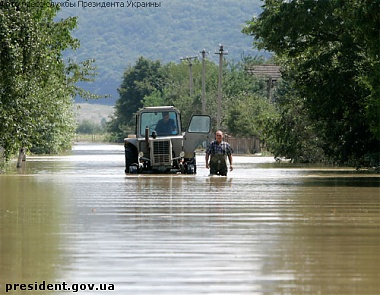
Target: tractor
point(160, 145)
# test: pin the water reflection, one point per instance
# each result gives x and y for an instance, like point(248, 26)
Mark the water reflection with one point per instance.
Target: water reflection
point(265, 229)
point(30, 226)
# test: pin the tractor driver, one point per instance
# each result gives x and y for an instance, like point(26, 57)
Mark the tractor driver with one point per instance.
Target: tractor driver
point(165, 126)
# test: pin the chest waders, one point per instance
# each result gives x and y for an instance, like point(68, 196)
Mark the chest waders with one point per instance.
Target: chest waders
point(218, 165)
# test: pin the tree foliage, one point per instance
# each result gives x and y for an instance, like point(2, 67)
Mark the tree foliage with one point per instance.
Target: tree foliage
point(89, 127)
point(151, 83)
point(177, 89)
point(245, 96)
point(291, 132)
point(249, 115)
point(141, 81)
point(36, 85)
point(330, 52)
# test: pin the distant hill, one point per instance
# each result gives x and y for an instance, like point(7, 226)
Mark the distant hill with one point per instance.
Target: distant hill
point(117, 36)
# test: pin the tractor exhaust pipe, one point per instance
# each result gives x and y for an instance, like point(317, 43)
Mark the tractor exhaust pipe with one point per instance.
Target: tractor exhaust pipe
point(147, 136)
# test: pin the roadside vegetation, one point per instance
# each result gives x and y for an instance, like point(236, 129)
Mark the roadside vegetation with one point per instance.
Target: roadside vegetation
point(325, 109)
point(90, 131)
point(329, 103)
point(151, 83)
point(37, 85)
point(91, 121)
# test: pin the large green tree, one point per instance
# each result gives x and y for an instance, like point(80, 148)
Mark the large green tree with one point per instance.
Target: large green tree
point(139, 81)
point(291, 132)
point(330, 49)
point(36, 84)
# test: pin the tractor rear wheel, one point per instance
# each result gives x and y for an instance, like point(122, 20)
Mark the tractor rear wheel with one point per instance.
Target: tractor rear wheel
point(131, 157)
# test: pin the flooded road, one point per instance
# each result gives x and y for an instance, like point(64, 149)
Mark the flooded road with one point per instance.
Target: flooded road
point(78, 223)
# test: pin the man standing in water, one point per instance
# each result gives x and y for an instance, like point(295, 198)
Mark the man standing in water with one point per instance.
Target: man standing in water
point(219, 150)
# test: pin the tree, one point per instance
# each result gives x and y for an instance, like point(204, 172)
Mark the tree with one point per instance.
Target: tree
point(89, 127)
point(330, 50)
point(36, 85)
point(291, 133)
point(172, 88)
point(245, 100)
point(249, 114)
point(154, 99)
point(237, 87)
point(139, 81)
point(177, 88)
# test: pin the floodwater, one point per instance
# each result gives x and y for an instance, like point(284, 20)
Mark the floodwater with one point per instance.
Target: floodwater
point(78, 222)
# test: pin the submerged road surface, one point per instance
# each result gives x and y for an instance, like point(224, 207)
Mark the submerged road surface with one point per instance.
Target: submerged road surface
point(78, 224)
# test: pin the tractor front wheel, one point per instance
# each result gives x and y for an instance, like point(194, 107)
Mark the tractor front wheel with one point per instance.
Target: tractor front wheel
point(191, 166)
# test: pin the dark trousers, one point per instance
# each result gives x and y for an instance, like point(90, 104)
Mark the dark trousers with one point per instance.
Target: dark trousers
point(218, 165)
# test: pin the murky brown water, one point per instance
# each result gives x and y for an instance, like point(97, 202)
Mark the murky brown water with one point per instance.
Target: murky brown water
point(267, 228)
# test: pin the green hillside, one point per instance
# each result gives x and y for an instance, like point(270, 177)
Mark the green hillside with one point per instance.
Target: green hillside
point(117, 36)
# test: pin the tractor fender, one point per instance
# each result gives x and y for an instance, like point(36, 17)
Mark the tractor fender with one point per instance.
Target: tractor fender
point(132, 141)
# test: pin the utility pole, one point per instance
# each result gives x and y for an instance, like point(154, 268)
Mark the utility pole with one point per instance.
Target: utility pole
point(221, 52)
point(189, 58)
point(203, 52)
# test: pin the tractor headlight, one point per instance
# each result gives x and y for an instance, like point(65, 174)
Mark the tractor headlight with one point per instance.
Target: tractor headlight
point(141, 154)
point(182, 154)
